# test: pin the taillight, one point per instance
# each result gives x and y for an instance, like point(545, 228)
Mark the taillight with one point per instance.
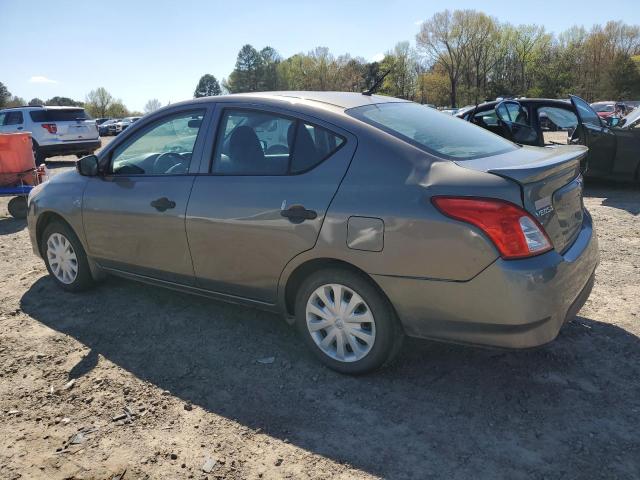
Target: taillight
point(515, 233)
point(50, 127)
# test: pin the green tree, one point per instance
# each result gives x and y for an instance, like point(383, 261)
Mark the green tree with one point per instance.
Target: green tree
point(117, 109)
point(5, 95)
point(208, 86)
point(64, 102)
point(16, 102)
point(246, 77)
point(98, 102)
point(34, 102)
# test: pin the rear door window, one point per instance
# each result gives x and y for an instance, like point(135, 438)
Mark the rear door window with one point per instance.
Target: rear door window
point(585, 112)
point(253, 142)
point(13, 118)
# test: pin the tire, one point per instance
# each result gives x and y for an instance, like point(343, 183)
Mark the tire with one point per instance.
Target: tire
point(18, 207)
point(37, 153)
point(368, 355)
point(53, 236)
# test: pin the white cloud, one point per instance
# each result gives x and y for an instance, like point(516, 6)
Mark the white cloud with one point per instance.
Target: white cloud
point(41, 79)
point(378, 57)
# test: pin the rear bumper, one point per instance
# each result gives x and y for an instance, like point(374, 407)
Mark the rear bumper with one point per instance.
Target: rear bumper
point(512, 303)
point(66, 148)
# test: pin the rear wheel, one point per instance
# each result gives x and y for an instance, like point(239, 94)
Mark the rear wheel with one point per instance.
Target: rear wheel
point(65, 258)
point(37, 153)
point(348, 324)
point(18, 207)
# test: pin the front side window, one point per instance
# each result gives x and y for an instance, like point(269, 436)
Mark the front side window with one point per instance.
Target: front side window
point(437, 133)
point(586, 113)
point(252, 142)
point(164, 149)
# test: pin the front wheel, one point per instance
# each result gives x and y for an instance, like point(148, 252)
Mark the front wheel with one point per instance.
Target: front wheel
point(346, 321)
point(65, 258)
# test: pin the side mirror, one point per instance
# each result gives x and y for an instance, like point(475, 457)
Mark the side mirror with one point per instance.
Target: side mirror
point(613, 121)
point(88, 166)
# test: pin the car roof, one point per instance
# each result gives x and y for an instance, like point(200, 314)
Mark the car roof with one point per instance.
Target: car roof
point(342, 100)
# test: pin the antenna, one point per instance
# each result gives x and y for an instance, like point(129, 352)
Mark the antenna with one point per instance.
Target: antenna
point(375, 86)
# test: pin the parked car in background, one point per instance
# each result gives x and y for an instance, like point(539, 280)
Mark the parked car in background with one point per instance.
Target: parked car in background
point(100, 121)
point(450, 111)
point(108, 127)
point(361, 218)
point(614, 152)
point(125, 123)
point(54, 130)
point(604, 109)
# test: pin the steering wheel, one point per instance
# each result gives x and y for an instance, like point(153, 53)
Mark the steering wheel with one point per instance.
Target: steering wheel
point(166, 161)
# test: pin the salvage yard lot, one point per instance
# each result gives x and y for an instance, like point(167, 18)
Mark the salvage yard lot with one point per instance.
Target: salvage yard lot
point(182, 378)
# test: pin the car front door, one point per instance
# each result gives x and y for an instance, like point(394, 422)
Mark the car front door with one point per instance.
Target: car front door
point(11, 121)
point(134, 212)
point(600, 139)
point(627, 161)
point(263, 199)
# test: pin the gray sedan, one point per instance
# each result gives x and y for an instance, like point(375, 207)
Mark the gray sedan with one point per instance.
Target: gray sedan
point(360, 218)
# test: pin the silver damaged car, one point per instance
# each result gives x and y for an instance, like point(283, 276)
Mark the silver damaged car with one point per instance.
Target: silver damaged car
point(361, 218)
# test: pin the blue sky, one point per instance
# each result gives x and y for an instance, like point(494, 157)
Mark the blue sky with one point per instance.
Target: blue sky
point(140, 50)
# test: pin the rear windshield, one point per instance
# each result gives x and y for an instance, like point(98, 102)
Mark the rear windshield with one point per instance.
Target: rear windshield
point(62, 115)
point(437, 133)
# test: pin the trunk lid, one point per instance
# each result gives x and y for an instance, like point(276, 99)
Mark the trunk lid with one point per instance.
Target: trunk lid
point(551, 185)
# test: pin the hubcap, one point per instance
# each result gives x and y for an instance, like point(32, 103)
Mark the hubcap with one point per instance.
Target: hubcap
point(340, 322)
point(62, 258)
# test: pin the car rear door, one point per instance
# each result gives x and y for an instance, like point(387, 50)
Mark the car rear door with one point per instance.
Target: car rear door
point(600, 139)
point(134, 213)
point(263, 199)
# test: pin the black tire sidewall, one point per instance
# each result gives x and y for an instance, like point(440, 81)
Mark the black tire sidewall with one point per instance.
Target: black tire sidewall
point(386, 327)
point(83, 279)
point(17, 207)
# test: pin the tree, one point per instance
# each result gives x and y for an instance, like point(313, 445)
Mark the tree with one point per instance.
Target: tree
point(35, 102)
point(208, 86)
point(5, 95)
point(117, 109)
point(16, 102)
point(64, 102)
point(246, 76)
point(444, 39)
point(152, 105)
point(98, 102)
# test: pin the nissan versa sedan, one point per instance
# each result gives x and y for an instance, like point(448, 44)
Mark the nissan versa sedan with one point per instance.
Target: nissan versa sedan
point(360, 218)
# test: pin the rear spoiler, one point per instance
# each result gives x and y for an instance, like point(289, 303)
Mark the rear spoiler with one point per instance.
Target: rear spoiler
point(558, 161)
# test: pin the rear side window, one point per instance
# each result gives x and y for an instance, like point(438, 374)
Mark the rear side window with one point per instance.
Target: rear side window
point(13, 118)
point(252, 142)
point(586, 113)
point(437, 133)
point(59, 115)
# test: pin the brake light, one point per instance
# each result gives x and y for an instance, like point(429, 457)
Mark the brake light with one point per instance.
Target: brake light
point(50, 127)
point(514, 232)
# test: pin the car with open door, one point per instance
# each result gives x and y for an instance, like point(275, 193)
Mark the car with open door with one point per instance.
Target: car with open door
point(360, 218)
point(613, 150)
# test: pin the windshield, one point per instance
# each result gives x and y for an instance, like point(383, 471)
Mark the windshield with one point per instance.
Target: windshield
point(603, 107)
point(437, 133)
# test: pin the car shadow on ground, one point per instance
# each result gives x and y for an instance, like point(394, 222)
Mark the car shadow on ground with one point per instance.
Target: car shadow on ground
point(439, 411)
point(9, 225)
point(617, 195)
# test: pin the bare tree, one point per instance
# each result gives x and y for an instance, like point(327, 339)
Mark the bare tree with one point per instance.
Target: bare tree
point(152, 105)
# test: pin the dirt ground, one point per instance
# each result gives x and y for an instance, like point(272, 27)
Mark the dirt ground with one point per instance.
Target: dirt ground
point(134, 382)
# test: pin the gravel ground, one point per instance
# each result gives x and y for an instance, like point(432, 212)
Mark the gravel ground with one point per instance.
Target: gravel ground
point(156, 384)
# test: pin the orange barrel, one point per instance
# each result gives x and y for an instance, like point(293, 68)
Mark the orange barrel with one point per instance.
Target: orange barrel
point(16, 156)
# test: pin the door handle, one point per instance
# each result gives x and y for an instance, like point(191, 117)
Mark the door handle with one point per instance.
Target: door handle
point(20, 128)
point(162, 204)
point(298, 214)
